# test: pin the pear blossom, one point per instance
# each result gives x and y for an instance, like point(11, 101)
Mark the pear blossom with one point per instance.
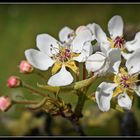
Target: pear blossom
point(116, 40)
point(60, 55)
point(67, 36)
point(125, 84)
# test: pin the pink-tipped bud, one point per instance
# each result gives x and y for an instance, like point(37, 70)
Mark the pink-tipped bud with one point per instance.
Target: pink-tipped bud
point(13, 82)
point(5, 103)
point(25, 67)
point(80, 28)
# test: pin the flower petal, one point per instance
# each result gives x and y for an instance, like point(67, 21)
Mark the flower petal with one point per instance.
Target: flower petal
point(62, 78)
point(38, 59)
point(64, 34)
point(115, 60)
point(99, 34)
point(81, 58)
point(92, 29)
point(95, 62)
point(104, 94)
point(133, 62)
point(134, 44)
point(124, 101)
point(105, 47)
point(47, 44)
point(79, 41)
point(80, 28)
point(115, 26)
point(137, 90)
point(87, 50)
point(126, 55)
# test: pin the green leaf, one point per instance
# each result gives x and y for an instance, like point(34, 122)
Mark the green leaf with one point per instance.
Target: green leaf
point(84, 83)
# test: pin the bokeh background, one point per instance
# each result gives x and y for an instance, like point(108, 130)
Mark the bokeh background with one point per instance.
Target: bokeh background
point(19, 26)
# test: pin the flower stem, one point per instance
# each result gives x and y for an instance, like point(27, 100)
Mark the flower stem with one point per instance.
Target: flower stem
point(80, 104)
point(84, 72)
point(24, 102)
point(74, 119)
point(33, 90)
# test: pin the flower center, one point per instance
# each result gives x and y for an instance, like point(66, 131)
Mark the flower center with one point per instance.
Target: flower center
point(63, 55)
point(124, 81)
point(119, 42)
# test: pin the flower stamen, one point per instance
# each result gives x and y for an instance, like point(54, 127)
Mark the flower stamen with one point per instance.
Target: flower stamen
point(119, 42)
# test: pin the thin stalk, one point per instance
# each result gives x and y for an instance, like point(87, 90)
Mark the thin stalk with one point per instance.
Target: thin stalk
point(77, 75)
point(24, 102)
point(84, 72)
point(80, 104)
point(34, 90)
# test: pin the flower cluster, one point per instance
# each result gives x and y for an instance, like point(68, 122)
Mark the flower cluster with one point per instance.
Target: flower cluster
point(113, 59)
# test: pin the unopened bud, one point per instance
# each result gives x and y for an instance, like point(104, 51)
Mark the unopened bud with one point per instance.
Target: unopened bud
point(5, 103)
point(25, 67)
point(13, 82)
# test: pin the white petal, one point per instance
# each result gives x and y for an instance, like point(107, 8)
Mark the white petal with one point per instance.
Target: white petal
point(62, 78)
point(124, 101)
point(99, 34)
point(137, 90)
point(64, 34)
point(38, 59)
point(105, 47)
point(80, 28)
point(115, 59)
point(126, 55)
point(47, 44)
point(92, 29)
point(87, 50)
point(104, 94)
point(79, 41)
point(133, 63)
point(81, 58)
point(134, 44)
point(95, 62)
point(115, 26)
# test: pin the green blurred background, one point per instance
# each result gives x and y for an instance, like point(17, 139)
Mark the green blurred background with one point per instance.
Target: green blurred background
point(19, 26)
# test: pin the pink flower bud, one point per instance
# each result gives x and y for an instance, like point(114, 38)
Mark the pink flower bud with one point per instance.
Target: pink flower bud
point(13, 82)
point(5, 103)
point(25, 67)
point(80, 28)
